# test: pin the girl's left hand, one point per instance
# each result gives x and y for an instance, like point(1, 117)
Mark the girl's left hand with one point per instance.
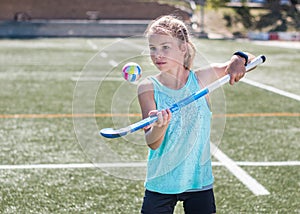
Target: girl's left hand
point(236, 68)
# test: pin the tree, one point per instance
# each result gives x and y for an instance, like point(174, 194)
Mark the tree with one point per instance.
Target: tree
point(278, 18)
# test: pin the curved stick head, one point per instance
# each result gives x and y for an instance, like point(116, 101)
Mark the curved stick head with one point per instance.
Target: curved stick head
point(111, 133)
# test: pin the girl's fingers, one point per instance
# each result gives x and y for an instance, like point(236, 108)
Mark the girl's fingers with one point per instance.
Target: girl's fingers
point(169, 115)
point(152, 113)
point(159, 121)
point(163, 118)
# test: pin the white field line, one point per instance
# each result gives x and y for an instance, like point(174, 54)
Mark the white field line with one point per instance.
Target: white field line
point(97, 79)
point(104, 55)
point(134, 164)
point(272, 89)
point(74, 165)
point(255, 187)
point(92, 45)
point(268, 163)
point(113, 63)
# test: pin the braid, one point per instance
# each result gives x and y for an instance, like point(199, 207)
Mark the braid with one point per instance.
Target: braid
point(190, 55)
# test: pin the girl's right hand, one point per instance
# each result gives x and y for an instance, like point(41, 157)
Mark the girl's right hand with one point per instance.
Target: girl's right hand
point(163, 118)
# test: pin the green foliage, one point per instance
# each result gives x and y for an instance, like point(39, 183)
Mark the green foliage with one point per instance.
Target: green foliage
point(276, 18)
point(244, 16)
point(216, 3)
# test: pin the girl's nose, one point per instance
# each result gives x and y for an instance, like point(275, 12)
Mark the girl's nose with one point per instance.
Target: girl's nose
point(158, 55)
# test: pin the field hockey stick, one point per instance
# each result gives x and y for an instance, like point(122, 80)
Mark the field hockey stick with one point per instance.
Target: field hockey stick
point(112, 133)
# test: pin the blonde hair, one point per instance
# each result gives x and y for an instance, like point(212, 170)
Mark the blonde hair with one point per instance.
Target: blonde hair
point(172, 26)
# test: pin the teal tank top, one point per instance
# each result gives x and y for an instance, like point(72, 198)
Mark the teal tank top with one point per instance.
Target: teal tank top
point(182, 162)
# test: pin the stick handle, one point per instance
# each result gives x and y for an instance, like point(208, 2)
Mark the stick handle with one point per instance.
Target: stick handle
point(216, 84)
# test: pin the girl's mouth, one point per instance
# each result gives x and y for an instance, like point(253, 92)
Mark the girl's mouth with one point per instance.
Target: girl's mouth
point(160, 63)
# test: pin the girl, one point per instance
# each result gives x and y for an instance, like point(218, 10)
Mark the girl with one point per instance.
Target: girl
point(179, 164)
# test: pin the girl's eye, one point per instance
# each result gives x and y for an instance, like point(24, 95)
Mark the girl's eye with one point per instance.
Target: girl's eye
point(152, 48)
point(165, 47)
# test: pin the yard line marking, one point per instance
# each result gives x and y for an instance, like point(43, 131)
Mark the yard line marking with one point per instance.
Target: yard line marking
point(272, 89)
point(268, 163)
point(21, 116)
point(75, 165)
point(92, 44)
point(113, 63)
point(239, 173)
point(133, 164)
point(89, 79)
point(271, 114)
point(103, 54)
point(33, 116)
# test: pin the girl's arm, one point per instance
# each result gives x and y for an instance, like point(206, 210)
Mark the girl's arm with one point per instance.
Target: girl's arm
point(235, 67)
point(154, 133)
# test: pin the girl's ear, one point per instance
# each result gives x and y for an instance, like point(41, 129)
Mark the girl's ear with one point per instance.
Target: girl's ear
point(183, 47)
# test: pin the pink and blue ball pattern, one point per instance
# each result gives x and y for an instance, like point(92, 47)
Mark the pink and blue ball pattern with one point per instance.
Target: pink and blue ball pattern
point(132, 72)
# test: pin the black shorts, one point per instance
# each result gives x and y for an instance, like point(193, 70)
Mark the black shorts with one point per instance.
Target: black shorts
point(193, 202)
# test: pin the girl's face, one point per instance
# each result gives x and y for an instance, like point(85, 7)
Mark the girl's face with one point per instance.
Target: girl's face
point(166, 52)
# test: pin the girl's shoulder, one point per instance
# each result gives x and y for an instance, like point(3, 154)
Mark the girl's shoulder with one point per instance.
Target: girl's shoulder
point(199, 73)
point(145, 85)
point(200, 77)
point(205, 76)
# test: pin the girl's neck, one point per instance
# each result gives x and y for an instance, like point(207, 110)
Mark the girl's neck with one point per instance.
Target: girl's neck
point(174, 80)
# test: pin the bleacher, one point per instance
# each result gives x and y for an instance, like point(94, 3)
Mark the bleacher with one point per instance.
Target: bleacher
point(94, 18)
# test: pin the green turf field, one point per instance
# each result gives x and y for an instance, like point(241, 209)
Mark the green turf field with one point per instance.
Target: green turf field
point(56, 94)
